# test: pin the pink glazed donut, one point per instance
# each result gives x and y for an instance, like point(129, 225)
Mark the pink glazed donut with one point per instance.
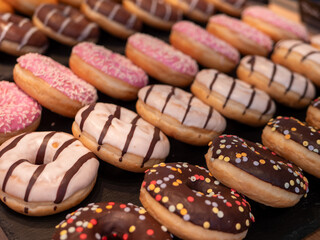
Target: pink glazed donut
point(19, 112)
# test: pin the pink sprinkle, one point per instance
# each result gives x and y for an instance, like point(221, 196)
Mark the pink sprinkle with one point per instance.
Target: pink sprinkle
point(110, 63)
point(164, 53)
point(244, 29)
point(200, 35)
point(59, 77)
point(17, 109)
point(267, 15)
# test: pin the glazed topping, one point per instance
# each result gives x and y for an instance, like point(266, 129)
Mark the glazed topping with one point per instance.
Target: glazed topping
point(236, 90)
point(110, 63)
point(194, 195)
point(260, 162)
point(200, 35)
point(199, 5)
point(183, 106)
point(276, 73)
point(59, 77)
point(316, 103)
point(164, 53)
point(110, 220)
point(115, 12)
point(17, 109)
point(123, 129)
point(243, 29)
point(297, 131)
point(266, 15)
point(315, 39)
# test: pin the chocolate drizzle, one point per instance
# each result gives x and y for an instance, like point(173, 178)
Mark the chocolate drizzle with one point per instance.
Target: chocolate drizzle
point(230, 93)
point(251, 61)
point(12, 145)
point(168, 99)
point(208, 117)
point(85, 114)
point(155, 139)
point(32, 180)
point(188, 109)
point(267, 108)
point(290, 84)
point(292, 47)
point(42, 149)
point(9, 172)
point(215, 77)
point(309, 54)
point(250, 101)
point(63, 147)
point(148, 93)
point(274, 70)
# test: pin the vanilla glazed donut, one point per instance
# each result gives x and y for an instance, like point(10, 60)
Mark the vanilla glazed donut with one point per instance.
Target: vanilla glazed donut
point(111, 73)
point(274, 25)
point(299, 57)
point(65, 24)
point(313, 113)
point(233, 98)
point(19, 36)
point(112, 17)
point(208, 50)
point(247, 39)
point(294, 141)
point(286, 87)
point(53, 85)
point(28, 7)
point(101, 221)
point(160, 60)
point(43, 173)
point(5, 7)
point(315, 41)
point(74, 3)
point(120, 137)
point(179, 114)
point(155, 13)
point(256, 171)
point(194, 205)
point(231, 7)
point(19, 113)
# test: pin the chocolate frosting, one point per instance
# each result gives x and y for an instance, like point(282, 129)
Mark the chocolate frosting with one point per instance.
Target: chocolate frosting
point(200, 5)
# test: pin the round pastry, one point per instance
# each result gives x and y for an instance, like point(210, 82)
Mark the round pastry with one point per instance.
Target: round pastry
point(65, 24)
point(19, 112)
point(53, 85)
point(160, 60)
point(274, 25)
point(5, 7)
point(315, 41)
point(208, 50)
point(231, 7)
point(101, 221)
point(112, 17)
point(179, 114)
point(233, 98)
point(193, 205)
point(299, 57)
point(28, 7)
point(294, 141)
point(44, 173)
point(120, 137)
point(256, 172)
point(111, 73)
point(246, 39)
point(74, 3)
point(286, 87)
point(313, 113)
point(155, 13)
point(18, 35)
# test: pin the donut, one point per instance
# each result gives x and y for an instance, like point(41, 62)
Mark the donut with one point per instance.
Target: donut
point(160, 60)
point(28, 7)
point(313, 113)
point(120, 137)
point(54, 163)
point(274, 25)
point(194, 205)
point(246, 39)
point(286, 87)
point(179, 114)
point(230, 7)
point(5, 7)
point(208, 50)
point(315, 41)
point(53, 85)
point(256, 171)
point(155, 13)
point(74, 3)
point(18, 35)
point(294, 141)
point(112, 17)
point(65, 24)
point(233, 98)
point(299, 57)
point(111, 73)
point(19, 112)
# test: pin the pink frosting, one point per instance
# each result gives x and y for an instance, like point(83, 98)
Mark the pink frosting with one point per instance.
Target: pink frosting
point(244, 29)
point(200, 35)
point(110, 63)
point(266, 15)
point(164, 53)
point(59, 77)
point(17, 109)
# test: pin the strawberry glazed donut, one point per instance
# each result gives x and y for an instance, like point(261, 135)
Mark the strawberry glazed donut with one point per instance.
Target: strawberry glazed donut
point(194, 205)
point(19, 112)
point(111, 73)
point(43, 173)
point(53, 85)
point(103, 221)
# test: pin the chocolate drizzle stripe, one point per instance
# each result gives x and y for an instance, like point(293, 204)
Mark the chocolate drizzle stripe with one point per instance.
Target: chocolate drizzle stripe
point(113, 12)
point(26, 37)
point(69, 174)
point(310, 53)
point(212, 82)
point(253, 94)
point(168, 12)
point(305, 89)
point(12, 144)
point(209, 117)
point(32, 180)
point(42, 149)
point(26, 210)
point(230, 92)
point(131, 21)
point(168, 99)
point(85, 114)
point(252, 62)
point(5, 30)
point(155, 139)
point(148, 93)
point(9, 172)
point(290, 83)
point(267, 108)
point(292, 47)
point(63, 146)
point(49, 15)
point(273, 74)
point(97, 5)
point(188, 109)
point(108, 124)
